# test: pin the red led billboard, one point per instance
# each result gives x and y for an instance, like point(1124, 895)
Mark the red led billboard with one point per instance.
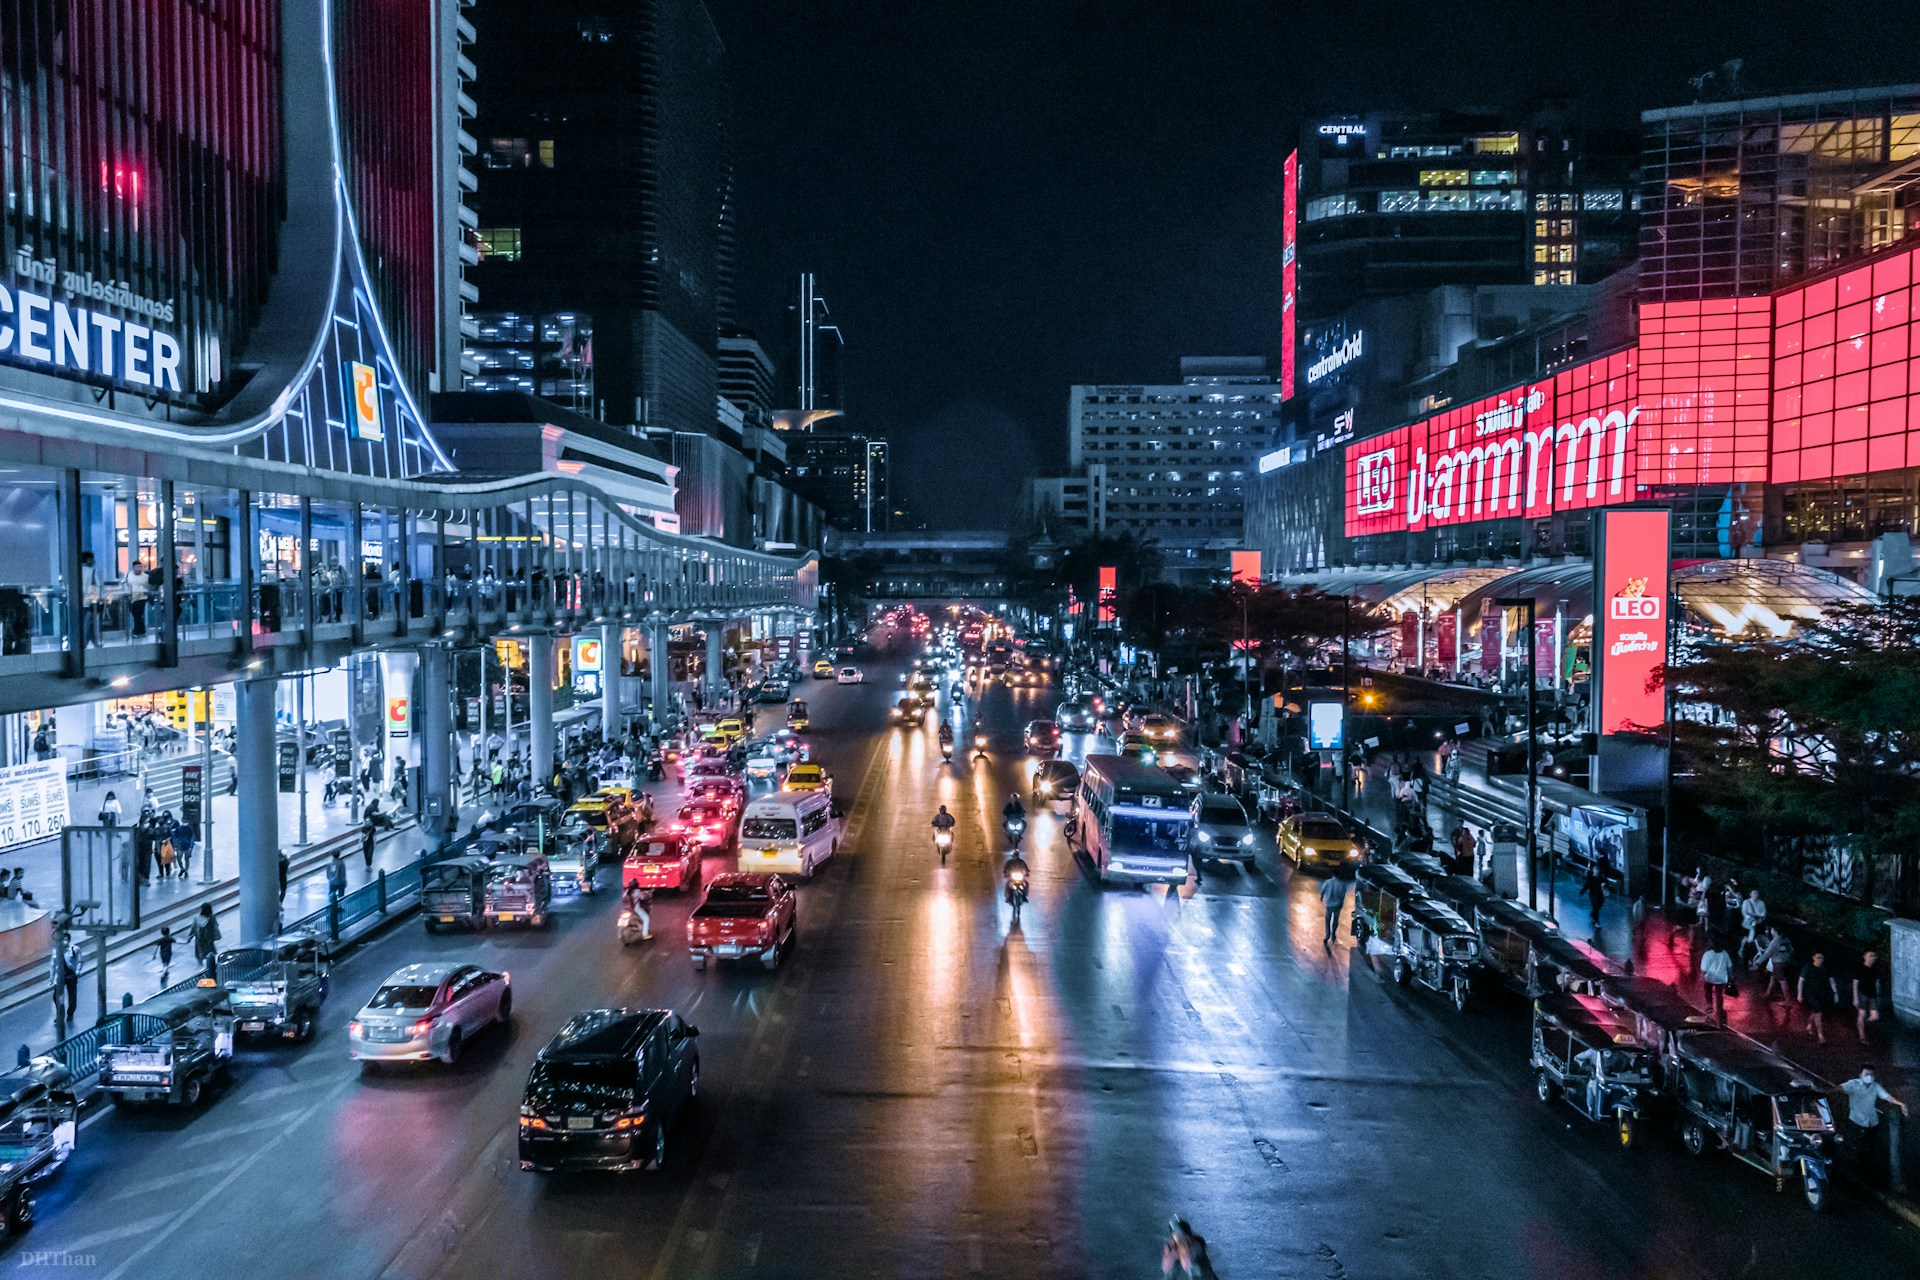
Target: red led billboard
point(1109, 591)
point(1246, 567)
point(1703, 392)
point(1561, 444)
point(1846, 373)
point(1289, 275)
point(1630, 617)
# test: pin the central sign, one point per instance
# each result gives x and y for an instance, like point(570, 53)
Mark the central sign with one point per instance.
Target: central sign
point(1631, 575)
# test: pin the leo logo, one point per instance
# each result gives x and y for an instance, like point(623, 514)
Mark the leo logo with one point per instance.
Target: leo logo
point(1629, 608)
point(1373, 482)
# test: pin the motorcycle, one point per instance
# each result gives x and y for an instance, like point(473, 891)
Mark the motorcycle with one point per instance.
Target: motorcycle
point(943, 841)
point(1016, 892)
point(946, 752)
point(979, 746)
point(1016, 828)
point(630, 929)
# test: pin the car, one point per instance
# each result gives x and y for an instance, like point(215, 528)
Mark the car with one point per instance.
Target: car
point(669, 860)
point(789, 745)
point(850, 675)
point(708, 823)
point(1055, 781)
point(823, 670)
point(807, 777)
point(426, 1011)
point(1187, 776)
point(1222, 830)
point(607, 1089)
point(774, 691)
point(744, 915)
point(908, 711)
point(1043, 736)
point(797, 719)
point(1317, 839)
point(613, 818)
point(764, 763)
point(1136, 745)
point(1076, 716)
point(1159, 728)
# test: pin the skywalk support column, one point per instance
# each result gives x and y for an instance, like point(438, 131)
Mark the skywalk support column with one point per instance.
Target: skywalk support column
point(436, 740)
point(716, 662)
point(257, 833)
point(659, 636)
point(612, 639)
point(540, 706)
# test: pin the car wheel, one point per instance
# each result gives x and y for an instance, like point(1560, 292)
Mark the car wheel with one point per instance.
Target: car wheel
point(693, 1082)
point(303, 1029)
point(191, 1094)
point(1402, 972)
point(505, 1011)
point(1542, 1087)
point(660, 1146)
point(1693, 1136)
point(771, 960)
point(20, 1211)
point(453, 1047)
point(433, 926)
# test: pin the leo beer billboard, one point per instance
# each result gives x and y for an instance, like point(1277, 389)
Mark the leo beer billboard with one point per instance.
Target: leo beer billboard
point(1631, 589)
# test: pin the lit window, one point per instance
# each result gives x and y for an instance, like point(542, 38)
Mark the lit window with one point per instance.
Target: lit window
point(544, 151)
point(1605, 201)
point(501, 243)
point(1443, 177)
point(1493, 177)
point(1399, 201)
point(1497, 144)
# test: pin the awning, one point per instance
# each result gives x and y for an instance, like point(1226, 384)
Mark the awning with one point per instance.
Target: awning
point(1761, 598)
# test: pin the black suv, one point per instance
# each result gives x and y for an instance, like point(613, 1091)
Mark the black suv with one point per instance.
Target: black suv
point(604, 1092)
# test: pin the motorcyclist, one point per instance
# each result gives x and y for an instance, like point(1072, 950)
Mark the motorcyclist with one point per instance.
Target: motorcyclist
point(1014, 863)
point(1014, 810)
point(946, 734)
point(634, 900)
point(943, 821)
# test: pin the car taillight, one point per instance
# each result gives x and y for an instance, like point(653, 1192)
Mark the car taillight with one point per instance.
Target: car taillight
point(355, 1027)
point(533, 1122)
point(421, 1027)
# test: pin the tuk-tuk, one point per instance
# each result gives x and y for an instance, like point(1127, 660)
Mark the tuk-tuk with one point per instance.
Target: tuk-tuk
point(1737, 1095)
point(1435, 947)
point(276, 987)
point(1593, 1057)
point(577, 854)
point(534, 823)
point(1571, 965)
point(176, 1043)
point(1658, 1013)
point(453, 891)
point(519, 890)
point(1378, 889)
point(37, 1130)
point(1511, 939)
point(797, 715)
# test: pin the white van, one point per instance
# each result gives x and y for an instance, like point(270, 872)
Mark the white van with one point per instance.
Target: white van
point(792, 832)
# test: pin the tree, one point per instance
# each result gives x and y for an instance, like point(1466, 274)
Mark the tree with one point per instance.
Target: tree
point(1819, 736)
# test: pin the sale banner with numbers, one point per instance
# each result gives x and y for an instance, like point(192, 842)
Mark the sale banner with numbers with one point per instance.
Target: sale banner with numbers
point(33, 801)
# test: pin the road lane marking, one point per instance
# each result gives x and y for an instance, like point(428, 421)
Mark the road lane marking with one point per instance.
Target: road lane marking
point(86, 1244)
point(230, 1131)
point(174, 1179)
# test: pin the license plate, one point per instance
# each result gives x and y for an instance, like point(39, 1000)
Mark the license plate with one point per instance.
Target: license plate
point(446, 919)
point(137, 1077)
point(579, 1122)
point(506, 915)
point(253, 1026)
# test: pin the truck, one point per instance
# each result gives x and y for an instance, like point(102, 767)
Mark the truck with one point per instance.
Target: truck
point(172, 1046)
point(743, 915)
point(38, 1111)
point(276, 987)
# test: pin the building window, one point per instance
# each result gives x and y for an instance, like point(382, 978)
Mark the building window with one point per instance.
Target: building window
point(1497, 144)
point(1494, 177)
point(1399, 202)
point(1542, 275)
point(1511, 200)
point(507, 153)
point(1331, 207)
point(1603, 201)
point(543, 151)
point(499, 243)
point(1443, 177)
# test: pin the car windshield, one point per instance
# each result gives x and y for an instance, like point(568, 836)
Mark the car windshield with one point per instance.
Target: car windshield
point(594, 817)
point(769, 829)
point(1220, 814)
point(1322, 831)
point(701, 812)
point(402, 996)
point(1151, 835)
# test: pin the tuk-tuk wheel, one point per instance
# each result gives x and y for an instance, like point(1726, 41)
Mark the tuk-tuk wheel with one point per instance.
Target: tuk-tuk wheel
point(20, 1211)
point(1459, 995)
point(1626, 1127)
point(1402, 972)
point(1815, 1189)
point(1543, 1087)
point(303, 1028)
point(190, 1095)
point(1693, 1136)
point(433, 926)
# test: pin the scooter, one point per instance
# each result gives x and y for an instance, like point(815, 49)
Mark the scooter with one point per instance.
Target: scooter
point(946, 753)
point(1016, 892)
point(943, 841)
point(979, 746)
point(1016, 827)
point(630, 930)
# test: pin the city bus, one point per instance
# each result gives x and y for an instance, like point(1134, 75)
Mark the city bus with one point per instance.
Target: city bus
point(1134, 821)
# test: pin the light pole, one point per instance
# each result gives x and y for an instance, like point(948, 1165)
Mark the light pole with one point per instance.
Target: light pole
point(1533, 774)
point(1346, 697)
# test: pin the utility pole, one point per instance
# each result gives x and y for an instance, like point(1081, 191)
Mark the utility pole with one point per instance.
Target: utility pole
point(1346, 697)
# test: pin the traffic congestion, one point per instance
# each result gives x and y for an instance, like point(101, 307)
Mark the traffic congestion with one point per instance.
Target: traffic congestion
point(933, 955)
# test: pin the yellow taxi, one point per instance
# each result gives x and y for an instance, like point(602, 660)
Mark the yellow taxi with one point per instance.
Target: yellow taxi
point(807, 777)
point(823, 670)
point(1317, 839)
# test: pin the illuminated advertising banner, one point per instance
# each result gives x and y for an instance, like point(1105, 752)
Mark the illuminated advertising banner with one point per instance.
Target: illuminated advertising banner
point(1326, 725)
point(1410, 638)
point(1446, 639)
point(1630, 617)
point(1703, 392)
point(1109, 591)
point(363, 388)
point(1289, 273)
point(1492, 636)
point(1561, 444)
point(1246, 567)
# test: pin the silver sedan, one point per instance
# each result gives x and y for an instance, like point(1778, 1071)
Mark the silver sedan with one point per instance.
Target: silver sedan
point(428, 1011)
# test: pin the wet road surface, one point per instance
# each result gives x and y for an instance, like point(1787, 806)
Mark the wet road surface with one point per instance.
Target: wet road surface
point(923, 1091)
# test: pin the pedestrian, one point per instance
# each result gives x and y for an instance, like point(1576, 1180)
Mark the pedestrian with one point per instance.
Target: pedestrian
point(368, 829)
point(1819, 995)
point(110, 811)
point(1594, 888)
point(1716, 971)
point(206, 940)
point(1333, 895)
point(336, 878)
point(163, 948)
point(1753, 913)
point(42, 744)
point(1864, 1096)
point(1869, 993)
point(1185, 1252)
point(70, 976)
point(1464, 860)
point(1776, 957)
point(165, 856)
point(286, 870)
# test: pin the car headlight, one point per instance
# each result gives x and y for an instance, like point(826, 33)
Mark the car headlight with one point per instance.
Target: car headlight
point(1247, 838)
point(1205, 838)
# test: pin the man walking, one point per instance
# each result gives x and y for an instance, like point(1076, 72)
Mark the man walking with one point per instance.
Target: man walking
point(1819, 995)
point(206, 940)
point(1869, 993)
point(336, 879)
point(1333, 895)
point(70, 978)
point(1716, 970)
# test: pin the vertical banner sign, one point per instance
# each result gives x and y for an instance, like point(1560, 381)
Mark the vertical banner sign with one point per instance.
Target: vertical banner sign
point(1631, 586)
point(33, 801)
point(1246, 567)
point(363, 390)
point(1410, 640)
point(1543, 649)
point(1289, 243)
point(399, 715)
point(192, 794)
point(1492, 624)
point(1446, 632)
point(1109, 591)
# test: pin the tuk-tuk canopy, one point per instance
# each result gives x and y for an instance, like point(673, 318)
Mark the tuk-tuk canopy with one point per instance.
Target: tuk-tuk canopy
point(1387, 878)
point(1581, 963)
point(1656, 1002)
point(1435, 916)
point(449, 869)
point(176, 1008)
point(1589, 1021)
point(1509, 914)
point(1747, 1062)
point(30, 1085)
point(286, 947)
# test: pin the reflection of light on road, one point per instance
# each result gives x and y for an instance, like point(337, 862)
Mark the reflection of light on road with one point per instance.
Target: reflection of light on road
point(944, 948)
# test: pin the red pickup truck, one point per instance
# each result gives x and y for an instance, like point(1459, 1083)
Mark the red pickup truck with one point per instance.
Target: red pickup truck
point(744, 914)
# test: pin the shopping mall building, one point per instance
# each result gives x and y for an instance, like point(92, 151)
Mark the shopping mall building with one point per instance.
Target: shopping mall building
point(230, 278)
point(1769, 398)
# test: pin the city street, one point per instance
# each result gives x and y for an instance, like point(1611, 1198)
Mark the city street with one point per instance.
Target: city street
point(923, 1091)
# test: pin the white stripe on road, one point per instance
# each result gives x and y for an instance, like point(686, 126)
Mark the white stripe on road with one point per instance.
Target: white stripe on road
point(230, 1131)
point(173, 1180)
point(86, 1244)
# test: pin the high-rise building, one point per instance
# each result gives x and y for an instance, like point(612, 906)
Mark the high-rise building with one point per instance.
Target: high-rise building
point(1740, 197)
point(841, 470)
point(1178, 457)
point(1399, 203)
point(603, 205)
point(819, 348)
point(747, 378)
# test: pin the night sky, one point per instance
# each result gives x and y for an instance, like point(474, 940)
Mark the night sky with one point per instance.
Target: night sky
point(1002, 199)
